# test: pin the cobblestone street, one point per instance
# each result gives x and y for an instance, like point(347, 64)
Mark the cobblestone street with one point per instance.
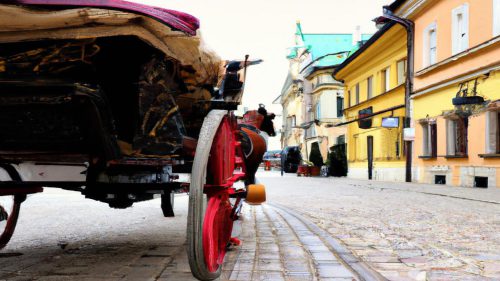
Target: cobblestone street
point(309, 229)
point(404, 231)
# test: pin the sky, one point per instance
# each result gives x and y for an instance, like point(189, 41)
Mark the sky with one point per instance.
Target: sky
point(264, 29)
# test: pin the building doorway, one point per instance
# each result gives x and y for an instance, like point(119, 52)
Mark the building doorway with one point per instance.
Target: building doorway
point(338, 158)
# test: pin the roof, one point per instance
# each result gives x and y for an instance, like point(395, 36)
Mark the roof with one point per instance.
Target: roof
point(360, 50)
point(174, 19)
point(331, 59)
point(331, 52)
point(324, 62)
point(322, 44)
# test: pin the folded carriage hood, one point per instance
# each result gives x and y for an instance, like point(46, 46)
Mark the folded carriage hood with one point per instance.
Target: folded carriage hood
point(173, 33)
point(175, 19)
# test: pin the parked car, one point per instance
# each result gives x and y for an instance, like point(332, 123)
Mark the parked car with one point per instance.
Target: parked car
point(290, 159)
point(272, 155)
point(271, 159)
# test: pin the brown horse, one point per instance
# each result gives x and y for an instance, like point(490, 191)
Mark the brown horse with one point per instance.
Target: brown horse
point(255, 127)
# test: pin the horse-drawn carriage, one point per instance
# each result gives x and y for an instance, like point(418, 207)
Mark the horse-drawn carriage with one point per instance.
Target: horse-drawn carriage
point(115, 100)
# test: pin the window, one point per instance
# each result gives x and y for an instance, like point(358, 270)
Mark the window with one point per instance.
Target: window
point(340, 107)
point(369, 87)
point(456, 136)
point(481, 182)
point(357, 93)
point(290, 123)
point(323, 79)
point(311, 115)
point(460, 28)
point(318, 111)
point(492, 132)
point(311, 132)
point(401, 68)
point(496, 18)
point(348, 98)
point(440, 179)
point(429, 137)
point(386, 79)
point(327, 78)
point(430, 45)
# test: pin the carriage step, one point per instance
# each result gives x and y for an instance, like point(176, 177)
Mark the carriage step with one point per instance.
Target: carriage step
point(256, 194)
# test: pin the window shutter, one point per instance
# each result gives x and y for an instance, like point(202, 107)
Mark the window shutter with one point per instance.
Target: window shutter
point(425, 49)
point(460, 28)
point(432, 46)
point(496, 18)
point(401, 68)
point(388, 79)
point(357, 93)
point(491, 131)
point(464, 37)
point(369, 87)
point(454, 30)
point(450, 137)
point(425, 139)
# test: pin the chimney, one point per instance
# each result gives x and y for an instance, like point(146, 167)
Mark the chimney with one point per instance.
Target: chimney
point(357, 35)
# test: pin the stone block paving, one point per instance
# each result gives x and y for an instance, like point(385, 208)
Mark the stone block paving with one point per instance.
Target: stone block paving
point(404, 231)
point(94, 242)
point(275, 248)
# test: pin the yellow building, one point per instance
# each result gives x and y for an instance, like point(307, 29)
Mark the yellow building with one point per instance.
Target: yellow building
point(456, 107)
point(374, 78)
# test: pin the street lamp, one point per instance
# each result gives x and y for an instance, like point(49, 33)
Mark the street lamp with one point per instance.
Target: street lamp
point(388, 15)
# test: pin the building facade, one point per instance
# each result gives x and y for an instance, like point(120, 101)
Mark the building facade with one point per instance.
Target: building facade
point(291, 101)
point(312, 99)
point(326, 109)
point(455, 104)
point(374, 79)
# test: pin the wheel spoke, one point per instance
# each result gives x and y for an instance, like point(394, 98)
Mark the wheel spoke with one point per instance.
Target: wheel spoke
point(217, 228)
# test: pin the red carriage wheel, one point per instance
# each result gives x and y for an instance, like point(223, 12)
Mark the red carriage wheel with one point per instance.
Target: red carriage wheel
point(210, 211)
point(9, 213)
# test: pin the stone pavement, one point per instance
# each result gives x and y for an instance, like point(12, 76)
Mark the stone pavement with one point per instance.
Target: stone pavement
point(404, 231)
point(310, 229)
point(277, 246)
point(62, 236)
